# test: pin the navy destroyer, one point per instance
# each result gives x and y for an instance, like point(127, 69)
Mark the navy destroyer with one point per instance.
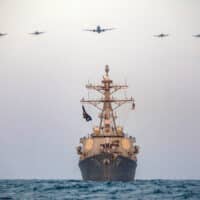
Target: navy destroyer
point(107, 154)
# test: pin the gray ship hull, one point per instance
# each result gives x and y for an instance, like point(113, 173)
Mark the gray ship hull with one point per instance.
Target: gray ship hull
point(103, 167)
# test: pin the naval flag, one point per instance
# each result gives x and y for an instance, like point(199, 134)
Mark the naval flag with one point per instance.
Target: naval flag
point(86, 116)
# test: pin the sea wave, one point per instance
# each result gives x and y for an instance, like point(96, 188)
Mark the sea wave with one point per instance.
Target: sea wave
point(76, 189)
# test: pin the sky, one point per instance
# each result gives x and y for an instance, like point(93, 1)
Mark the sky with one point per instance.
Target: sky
point(42, 79)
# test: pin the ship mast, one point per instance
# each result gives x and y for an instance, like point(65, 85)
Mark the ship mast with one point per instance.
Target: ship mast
point(107, 103)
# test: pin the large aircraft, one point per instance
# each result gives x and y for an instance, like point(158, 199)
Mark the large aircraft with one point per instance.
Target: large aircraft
point(162, 35)
point(99, 29)
point(3, 34)
point(197, 36)
point(37, 33)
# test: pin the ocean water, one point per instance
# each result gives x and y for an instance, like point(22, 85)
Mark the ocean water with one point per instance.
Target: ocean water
point(75, 189)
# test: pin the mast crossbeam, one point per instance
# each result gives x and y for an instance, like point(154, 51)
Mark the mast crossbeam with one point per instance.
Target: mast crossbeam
point(98, 88)
point(91, 102)
point(118, 87)
point(101, 88)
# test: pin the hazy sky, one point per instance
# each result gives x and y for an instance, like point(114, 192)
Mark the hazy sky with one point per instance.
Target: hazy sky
point(42, 80)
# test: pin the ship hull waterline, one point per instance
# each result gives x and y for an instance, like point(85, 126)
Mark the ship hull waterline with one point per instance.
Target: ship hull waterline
point(103, 167)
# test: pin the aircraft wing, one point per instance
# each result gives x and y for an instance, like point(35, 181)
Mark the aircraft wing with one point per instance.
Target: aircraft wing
point(41, 32)
point(157, 36)
point(37, 33)
point(107, 29)
point(33, 33)
point(3, 34)
point(161, 35)
point(92, 30)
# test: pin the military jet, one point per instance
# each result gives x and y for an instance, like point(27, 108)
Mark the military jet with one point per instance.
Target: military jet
point(3, 34)
point(37, 33)
point(162, 35)
point(197, 36)
point(99, 29)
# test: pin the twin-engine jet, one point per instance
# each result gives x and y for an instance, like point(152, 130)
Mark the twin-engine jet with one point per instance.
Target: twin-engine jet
point(99, 29)
point(162, 35)
point(3, 34)
point(37, 33)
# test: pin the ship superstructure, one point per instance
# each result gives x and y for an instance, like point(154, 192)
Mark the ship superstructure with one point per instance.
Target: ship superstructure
point(108, 154)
